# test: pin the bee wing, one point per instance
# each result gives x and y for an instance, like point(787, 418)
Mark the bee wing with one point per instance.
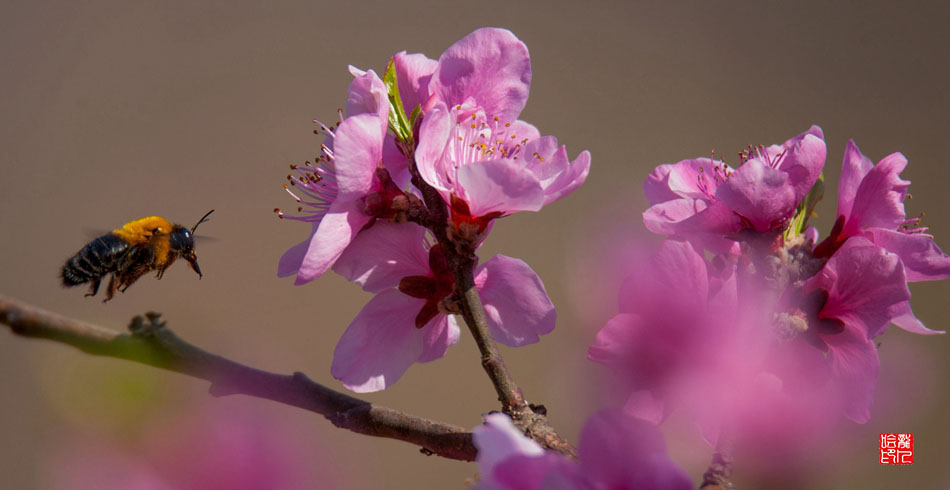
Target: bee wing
point(206, 239)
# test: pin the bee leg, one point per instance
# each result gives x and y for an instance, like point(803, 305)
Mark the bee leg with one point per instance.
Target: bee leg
point(94, 287)
point(110, 291)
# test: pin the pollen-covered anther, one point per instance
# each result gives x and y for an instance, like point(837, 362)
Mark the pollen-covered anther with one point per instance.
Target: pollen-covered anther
point(790, 325)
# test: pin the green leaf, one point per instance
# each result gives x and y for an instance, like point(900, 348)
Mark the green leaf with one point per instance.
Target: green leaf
point(806, 208)
point(398, 122)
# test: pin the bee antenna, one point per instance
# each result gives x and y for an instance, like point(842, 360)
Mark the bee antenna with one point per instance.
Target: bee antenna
point(202, 220)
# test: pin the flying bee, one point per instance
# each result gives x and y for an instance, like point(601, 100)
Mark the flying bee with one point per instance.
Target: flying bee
point(129, 252)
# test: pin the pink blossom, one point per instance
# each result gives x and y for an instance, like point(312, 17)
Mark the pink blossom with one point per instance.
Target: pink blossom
point(411, 317)
point(347, 186)
point(615, 451)
point(672, 326)
point(703, 195)
point(472, 148)
point(871, 205)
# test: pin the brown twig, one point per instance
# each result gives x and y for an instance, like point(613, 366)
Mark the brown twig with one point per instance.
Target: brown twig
point(718, 475)
point(151, 342)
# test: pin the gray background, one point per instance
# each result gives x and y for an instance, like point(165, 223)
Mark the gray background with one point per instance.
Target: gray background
point(111, 111)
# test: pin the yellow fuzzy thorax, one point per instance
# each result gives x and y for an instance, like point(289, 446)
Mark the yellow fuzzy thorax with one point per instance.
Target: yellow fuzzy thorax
point(141, 230)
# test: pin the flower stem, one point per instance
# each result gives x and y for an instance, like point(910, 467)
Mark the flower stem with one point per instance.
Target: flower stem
point(531, 419)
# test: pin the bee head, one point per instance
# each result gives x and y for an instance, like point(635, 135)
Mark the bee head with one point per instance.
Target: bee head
point(182, 241)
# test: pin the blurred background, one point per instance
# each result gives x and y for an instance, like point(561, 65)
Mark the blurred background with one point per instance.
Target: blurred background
point(111, 111)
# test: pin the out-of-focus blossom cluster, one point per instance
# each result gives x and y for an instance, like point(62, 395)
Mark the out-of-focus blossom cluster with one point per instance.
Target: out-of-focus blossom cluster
point(450, 125)
point(615, 451)
point(743, 317)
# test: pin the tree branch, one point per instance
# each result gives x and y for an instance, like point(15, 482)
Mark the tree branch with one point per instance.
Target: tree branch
point(718, 475)
point(152, 343)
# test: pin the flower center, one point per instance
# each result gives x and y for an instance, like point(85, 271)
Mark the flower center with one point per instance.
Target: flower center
point(478, 137)
point(434, 287)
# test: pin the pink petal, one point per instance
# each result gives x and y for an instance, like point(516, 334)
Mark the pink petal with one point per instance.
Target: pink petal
point(358, 149)
point(804, 160)
point(413, 72)
point(879, 201)
point(501, 185)
point(433, 137)
point(644, 405)
point(516, 305)
point(695, 178)
point(570, 179)
point(368, 95)
point(383, 254)
point(863, 281)
point(676, 274)
point(904, 318)
point(922, 258)
point(618, 451)
point(657, 187)
point(853, 170)
point(549, 471)
point(855, 366)
point(438, 335)
point(380, 344)
point(489, 65)
point(523, 131)
point(615, 341)
point(291, 260)
point(497, 440)
point(662, 218)
point(557, 174)
point(760, 193)
point(334, 233)
point(396, 163)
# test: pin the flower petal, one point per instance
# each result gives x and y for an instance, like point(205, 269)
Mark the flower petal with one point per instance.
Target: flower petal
point(853, 170)
point(501, 185)
point(922, 258)
point(855, 366)
point(657, 185)
point(291, 260)
point(516, 305)
point(334, 233)
point(433, 137)
point(863, 281)
point(695, 178)
point(804, 159)
point(383, 254)
point(497, 440)
point(358, 149)
point(489, 65)
point(380, 344)
point(438, 335)
point(904, 318)
point(413, 73)
point(368, 95)
point(760, 193)
point(879, 200)
point(618, 451)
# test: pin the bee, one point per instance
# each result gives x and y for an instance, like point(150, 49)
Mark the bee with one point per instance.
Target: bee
point(129, 252)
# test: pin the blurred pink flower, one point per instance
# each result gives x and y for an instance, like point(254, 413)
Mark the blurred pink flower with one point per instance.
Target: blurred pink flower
point(212, 446)
point(615, 451)
point(411, 319)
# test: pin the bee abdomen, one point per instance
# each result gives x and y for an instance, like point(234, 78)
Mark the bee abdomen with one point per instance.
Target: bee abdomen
point(98, 258)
